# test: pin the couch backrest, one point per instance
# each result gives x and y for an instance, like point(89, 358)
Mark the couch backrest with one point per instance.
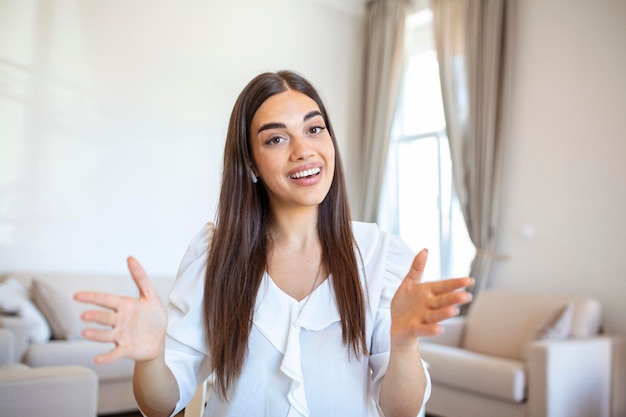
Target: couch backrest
point(502, 323)
point(60, 288)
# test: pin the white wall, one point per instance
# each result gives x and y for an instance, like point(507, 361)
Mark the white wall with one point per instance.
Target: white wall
point(113, 117)
point(566, 165)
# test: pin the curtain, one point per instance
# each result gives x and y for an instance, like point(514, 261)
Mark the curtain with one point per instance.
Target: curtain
point(383, 66)
point(470, 43)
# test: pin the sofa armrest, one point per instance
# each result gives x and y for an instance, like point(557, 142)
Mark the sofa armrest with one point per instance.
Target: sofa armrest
point(49, 391)
point(7, 346)
point(452, 333)
point(19, 328)
point(570, 377)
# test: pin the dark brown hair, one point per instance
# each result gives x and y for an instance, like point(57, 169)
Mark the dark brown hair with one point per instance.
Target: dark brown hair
point(238, 254)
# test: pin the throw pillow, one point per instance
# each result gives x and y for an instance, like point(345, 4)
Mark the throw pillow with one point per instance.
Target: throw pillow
point(558, 327)
point(57, 310)
point(14, 299)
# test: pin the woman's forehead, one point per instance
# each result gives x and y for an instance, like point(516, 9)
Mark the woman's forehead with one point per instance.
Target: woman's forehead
point(288, 104)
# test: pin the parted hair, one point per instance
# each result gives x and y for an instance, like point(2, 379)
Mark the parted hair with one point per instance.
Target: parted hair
point(241, 243)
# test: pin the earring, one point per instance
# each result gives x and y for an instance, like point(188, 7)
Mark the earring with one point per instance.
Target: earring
point(254, 179)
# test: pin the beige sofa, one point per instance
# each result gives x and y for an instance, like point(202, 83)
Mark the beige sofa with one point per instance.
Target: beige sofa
point(519, 354)
point(57, 342)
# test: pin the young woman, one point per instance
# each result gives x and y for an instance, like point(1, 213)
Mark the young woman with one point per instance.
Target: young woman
point(294, 309)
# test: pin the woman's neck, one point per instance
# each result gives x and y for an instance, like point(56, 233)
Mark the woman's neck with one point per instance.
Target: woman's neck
point(295, 259)
point(295, 228)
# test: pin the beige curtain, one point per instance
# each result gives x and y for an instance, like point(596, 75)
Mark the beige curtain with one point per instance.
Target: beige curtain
point(383, 65)
point(470, 41)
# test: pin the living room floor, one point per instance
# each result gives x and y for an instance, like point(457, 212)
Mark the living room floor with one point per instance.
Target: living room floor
point(134, 414)
point(137, 414)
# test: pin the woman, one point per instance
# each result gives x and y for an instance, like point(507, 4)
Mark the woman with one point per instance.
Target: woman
point(295, 309)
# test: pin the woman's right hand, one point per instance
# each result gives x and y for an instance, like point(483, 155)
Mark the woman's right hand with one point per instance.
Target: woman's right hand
point(136, 325)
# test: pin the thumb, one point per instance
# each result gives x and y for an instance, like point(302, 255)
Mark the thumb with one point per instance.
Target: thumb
point(417, 267)
point(140, 277)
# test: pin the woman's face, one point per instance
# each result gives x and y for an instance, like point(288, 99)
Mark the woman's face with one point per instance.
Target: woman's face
point(292, 150)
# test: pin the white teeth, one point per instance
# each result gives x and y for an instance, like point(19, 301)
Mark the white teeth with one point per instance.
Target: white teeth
point(307, 173)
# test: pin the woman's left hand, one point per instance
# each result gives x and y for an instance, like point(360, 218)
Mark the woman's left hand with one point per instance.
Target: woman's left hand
point(418, 307)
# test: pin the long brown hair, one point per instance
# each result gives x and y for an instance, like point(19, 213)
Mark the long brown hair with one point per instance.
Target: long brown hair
point(238, 254)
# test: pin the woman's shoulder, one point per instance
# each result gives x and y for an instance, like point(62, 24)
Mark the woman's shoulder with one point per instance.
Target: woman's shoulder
point(366, 232)
point(370, 239)
point(198, 246)
point(363, 228)
point(377, 246)
point(192, 269)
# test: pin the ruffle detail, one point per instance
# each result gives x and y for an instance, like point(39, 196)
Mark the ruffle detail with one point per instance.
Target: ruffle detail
point(291, 367)
point(315, 312)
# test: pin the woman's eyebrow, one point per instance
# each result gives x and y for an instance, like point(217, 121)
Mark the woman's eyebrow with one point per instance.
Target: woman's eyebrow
point(312, 114)
point(274, 125)
point(278, 125)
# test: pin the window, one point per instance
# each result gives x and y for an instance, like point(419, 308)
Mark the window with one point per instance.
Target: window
point(419, 203)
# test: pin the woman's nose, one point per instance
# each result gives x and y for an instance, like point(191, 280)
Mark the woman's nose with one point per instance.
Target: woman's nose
point(301, 149)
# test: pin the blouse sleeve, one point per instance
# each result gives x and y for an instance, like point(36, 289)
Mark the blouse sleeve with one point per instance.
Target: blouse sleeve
point(397, 263)
point(185, 346)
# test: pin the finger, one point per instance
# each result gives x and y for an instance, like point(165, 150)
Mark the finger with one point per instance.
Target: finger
point(109, 357)
point(430, 330)
point(99, 335)
point(435, 316)
point(140, 277)
point(417, 267)
point(101, 299)
point(106, 318)
point(449, 298)
point(452, 284)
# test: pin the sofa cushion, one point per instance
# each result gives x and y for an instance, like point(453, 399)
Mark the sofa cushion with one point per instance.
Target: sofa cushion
point(501, 323)
point(461, 369)
point(57, 310)
point(12, 367)
point(78, 352)
point(50, 391)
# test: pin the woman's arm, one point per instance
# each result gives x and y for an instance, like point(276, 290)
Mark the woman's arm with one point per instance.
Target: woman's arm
point(404, 384)
point(155, 387)
point(416, 310)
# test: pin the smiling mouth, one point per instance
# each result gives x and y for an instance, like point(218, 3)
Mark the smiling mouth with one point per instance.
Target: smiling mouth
point(307, 173)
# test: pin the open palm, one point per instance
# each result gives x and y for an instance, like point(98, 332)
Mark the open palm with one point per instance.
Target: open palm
point(136, 325)
point(418, 307)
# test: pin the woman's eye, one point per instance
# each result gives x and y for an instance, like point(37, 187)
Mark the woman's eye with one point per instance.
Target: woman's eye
point(316, 129)
point(274, 140)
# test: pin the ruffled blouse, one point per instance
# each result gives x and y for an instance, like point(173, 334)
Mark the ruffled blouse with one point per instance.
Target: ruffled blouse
point(297, 364)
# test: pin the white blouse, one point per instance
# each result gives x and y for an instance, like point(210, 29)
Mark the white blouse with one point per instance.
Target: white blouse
point(297, 364)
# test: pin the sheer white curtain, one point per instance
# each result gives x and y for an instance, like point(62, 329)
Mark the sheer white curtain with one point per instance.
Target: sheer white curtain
point(383, 65)
point(470, 42)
